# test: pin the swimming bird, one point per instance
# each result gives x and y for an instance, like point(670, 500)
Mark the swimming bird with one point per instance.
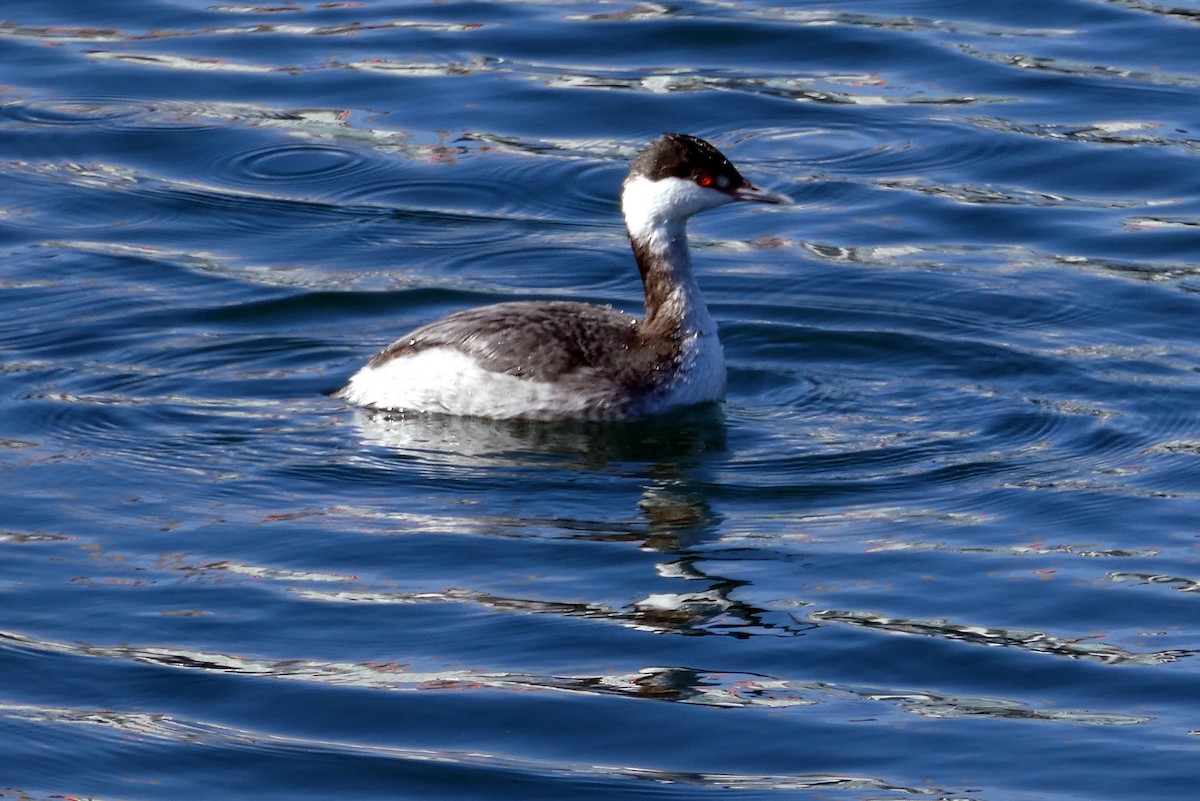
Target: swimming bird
point(561, 360)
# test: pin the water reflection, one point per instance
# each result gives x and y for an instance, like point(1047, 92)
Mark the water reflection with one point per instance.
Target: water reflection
point(665, 455)
point(666, 446)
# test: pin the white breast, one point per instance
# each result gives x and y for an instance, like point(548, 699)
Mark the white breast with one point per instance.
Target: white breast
point(701, 376)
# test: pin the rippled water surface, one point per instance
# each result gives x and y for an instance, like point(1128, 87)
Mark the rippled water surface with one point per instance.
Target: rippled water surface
point(941, 541)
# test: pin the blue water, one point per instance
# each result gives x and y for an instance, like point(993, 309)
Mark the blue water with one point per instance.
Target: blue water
point(940, 542)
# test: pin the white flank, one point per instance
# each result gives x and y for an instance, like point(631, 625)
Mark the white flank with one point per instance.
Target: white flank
point(446, 381)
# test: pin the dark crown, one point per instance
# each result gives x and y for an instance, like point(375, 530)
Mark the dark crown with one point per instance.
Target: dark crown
point(674, 155)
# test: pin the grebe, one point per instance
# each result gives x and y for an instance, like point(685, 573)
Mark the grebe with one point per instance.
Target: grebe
point(576, 361)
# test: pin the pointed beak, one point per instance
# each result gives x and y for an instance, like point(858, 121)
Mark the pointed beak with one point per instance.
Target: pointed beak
point(749, 191)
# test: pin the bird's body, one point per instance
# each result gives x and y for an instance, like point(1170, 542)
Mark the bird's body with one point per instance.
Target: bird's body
point(563, 360)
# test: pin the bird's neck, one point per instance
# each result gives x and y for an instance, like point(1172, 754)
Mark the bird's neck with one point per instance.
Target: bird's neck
point(673, 299)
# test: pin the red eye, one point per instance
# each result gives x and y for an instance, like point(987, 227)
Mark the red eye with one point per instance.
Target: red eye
point(704, 179)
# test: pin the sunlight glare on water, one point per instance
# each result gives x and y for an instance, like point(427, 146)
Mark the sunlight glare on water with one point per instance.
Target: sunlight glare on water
point(940, 541)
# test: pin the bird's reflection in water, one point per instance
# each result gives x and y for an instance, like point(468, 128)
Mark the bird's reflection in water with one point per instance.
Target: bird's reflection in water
point(474, 441)
point(666, 456)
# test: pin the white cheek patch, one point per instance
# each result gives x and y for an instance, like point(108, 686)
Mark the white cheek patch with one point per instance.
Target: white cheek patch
point(651, 206)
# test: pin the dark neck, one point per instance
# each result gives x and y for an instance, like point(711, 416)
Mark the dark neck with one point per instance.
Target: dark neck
point(673, 300)
point(660, 277)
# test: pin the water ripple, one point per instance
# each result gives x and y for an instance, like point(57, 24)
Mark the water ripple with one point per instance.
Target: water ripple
point(65, 34)
point(171, 728)
point(1178, 583)
point(1175, 12)
point(847, 89)
point(1065, 67)
point(1118, 132)
point(673, 684)
point(1085, 648)
point(294, 162)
